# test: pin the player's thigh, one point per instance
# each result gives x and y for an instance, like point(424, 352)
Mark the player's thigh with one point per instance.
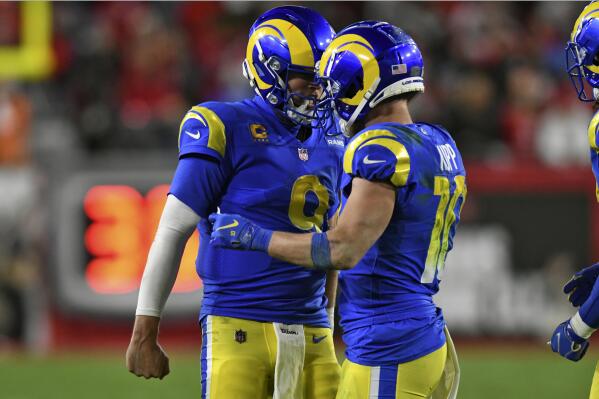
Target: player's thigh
point(420, 377)
point(354, 382)
point(415, 379)
point(236, 359)
point(595, 385)
point(321, 368)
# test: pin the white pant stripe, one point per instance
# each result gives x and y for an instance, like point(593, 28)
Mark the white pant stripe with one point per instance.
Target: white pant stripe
point(375, 377)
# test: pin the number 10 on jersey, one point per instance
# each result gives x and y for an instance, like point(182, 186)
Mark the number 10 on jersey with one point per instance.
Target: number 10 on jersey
point(446, 216)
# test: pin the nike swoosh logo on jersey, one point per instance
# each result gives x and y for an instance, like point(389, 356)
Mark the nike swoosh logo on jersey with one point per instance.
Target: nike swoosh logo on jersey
point(368, 161)
point(193, 136)
point(316, 339)
point(234, 224)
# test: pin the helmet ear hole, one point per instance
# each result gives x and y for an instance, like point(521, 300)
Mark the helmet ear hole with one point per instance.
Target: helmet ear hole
point(596, 60)
point(354, 87)
point(352, 90)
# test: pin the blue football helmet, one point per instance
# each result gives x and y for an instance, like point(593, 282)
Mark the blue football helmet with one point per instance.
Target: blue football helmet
point(366, 63)
point(283, 40)
point(582, 53)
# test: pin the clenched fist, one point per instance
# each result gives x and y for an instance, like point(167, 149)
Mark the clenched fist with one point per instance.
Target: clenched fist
point(145, 357)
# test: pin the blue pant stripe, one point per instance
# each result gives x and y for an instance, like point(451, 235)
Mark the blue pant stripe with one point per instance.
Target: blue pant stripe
point(388, 382)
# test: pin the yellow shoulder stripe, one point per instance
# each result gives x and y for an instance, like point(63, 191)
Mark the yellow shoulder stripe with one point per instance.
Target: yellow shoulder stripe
point(217, 140)
point(350, 151)
point(592, 132)
point(402, 165)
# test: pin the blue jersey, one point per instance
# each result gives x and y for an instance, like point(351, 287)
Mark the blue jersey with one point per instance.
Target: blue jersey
point(386, 307)
point(589, 310)
point(253, 165)
point(593, 133)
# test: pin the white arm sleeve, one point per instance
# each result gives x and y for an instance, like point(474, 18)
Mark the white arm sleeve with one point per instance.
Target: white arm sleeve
point(177, 223)
point(580, 327)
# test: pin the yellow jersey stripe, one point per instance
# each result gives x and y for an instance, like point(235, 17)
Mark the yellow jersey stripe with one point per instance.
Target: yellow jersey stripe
point(402, 164)
point(217, 140)
point(350, 151)
point(592, 132)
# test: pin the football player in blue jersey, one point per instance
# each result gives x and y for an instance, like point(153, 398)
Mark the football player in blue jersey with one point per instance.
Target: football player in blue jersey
point(404, 186)
point(570, 338)
point(266, 323)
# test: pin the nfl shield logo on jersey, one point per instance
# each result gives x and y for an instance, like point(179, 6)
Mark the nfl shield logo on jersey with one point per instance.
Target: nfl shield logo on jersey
point(303, 153)
point(240, 336)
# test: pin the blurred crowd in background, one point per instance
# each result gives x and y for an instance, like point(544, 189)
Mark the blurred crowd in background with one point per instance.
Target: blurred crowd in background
point(125, 73)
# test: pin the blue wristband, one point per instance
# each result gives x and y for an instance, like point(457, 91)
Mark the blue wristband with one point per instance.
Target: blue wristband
point(261, 239)
point(321, 251)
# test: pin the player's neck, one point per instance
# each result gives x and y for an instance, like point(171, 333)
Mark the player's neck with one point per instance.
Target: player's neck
point(394, 111)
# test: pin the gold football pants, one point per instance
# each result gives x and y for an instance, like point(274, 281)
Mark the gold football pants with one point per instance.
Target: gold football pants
point(415, 379)
point(595, 385)
point(239, 359)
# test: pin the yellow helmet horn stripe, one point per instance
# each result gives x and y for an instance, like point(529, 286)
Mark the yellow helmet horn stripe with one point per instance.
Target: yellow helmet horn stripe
point(299, 46)
point(362, 49)
point(590, 11)
point(587, 12)
point(297, 42)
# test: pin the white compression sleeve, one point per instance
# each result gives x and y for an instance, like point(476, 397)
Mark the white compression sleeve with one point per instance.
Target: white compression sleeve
point(177, 223)
point(580, 327)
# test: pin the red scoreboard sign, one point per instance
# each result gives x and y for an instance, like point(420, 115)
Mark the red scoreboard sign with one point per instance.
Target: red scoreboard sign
point(123, 223)
point(105, 223)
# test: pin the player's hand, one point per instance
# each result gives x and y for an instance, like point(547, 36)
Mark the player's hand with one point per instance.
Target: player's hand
point(581, 284)
point(567, 343)
point(145, 357)
point(237, 232)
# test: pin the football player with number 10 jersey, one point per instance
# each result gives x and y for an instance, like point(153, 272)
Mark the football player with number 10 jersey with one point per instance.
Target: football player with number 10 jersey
point(404, 186)
point(266, 323)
